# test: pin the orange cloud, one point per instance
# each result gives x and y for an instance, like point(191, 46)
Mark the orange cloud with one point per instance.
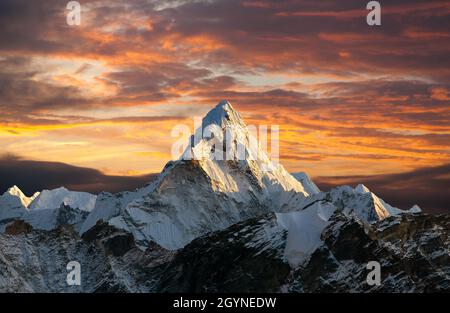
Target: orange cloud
point(348, 99)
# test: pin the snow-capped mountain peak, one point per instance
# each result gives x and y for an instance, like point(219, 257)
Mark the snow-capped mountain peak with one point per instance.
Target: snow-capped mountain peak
point(13, 205)
point(244, 203)
point(14, 197)
point(223, 115)
point(384, 209)
point(14, 190)
point(47, 209)
point(52, 199)
point(415, 209)
point(361, 189)
point(365, 204)
point(223, 136)
point(310, 187)
point(215, 184)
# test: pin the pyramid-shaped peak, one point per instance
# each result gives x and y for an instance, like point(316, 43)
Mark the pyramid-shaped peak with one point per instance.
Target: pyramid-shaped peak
point(222, 115)
point(14, 190)
point(415, 209)
point(309, 186)
point(362, 189)
point(225, 104)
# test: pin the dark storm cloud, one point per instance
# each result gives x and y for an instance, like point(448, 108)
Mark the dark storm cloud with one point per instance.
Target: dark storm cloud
point(351, 101)
point(312, 42)
point(250, 99)
point(164, 81)
point(427, 187)
point(305, 36)
point(26, 25)
point(21, 93)
point(31, 176)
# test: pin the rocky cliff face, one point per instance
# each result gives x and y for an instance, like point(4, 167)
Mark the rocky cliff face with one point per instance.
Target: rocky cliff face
point(413, 251)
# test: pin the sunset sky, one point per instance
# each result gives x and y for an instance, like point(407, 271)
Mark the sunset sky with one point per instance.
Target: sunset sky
point(350, 99)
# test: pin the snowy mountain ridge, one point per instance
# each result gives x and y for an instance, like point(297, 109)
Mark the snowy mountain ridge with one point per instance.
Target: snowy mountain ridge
point(309, 186)
point(43, 210)
point(52, 199)
point(262, 229)
point(203, 192)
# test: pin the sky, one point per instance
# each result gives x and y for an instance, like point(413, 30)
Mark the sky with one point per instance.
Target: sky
point(353, 102)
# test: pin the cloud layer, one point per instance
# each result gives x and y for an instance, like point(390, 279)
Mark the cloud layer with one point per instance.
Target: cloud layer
point(33, 176)
point(350, 99)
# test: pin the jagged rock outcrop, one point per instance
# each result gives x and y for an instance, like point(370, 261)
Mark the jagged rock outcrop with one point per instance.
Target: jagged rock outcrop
point(413, 251)
point(17, 227)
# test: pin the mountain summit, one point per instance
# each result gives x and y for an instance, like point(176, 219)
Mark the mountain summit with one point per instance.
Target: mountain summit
point(223, 177)
point(223, 115)
point(200, 193)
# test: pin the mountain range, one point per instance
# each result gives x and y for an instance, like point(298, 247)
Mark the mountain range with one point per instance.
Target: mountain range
point(240, 223)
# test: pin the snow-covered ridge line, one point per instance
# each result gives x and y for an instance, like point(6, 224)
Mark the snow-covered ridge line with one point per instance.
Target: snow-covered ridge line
point(15, 197)
point(45, 210)
point(51, 199)
point(310, 187)
point(193, 197)
point(48, 199)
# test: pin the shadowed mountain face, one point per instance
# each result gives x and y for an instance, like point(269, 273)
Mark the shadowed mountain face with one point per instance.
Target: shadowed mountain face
point(337, 266)
point(246, 257)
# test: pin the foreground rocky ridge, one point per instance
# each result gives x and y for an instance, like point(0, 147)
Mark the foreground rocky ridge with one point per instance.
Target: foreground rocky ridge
point(413, 250)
